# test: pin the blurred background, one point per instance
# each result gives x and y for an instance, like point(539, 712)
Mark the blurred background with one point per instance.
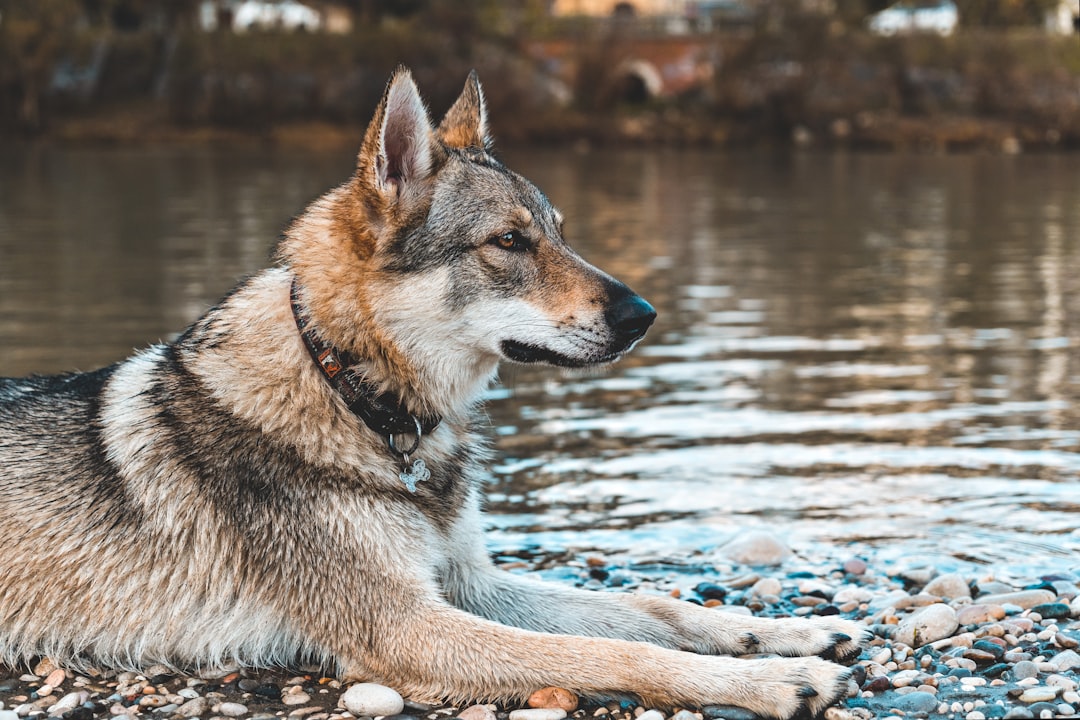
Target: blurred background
point(944, 74)
point(859, 221)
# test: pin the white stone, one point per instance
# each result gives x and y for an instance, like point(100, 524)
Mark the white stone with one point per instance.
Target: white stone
point(373, 699)
point(8, 715)
point(538, 714)
point(482, 712)
point(69, 702)
point(651, 715)
point(232, 709)
point(1065, 660)
point(1039, 694)
point(188, 693)
point(756, 547)
point(852, 593)
point(1022, 599)
point(302, 698)
point(766, 586)
point(905, 678)
point(1065, 683)
point(927, 625)
point(949, 586)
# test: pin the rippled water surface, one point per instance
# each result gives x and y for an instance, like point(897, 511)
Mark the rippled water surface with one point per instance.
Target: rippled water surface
point(872, 355)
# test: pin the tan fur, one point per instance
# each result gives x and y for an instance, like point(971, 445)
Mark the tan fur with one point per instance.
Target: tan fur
point(215, 500)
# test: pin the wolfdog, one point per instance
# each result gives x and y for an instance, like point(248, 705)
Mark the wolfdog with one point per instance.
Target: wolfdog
point(298, 475)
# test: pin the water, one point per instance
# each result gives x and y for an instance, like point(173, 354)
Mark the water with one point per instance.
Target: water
point(872, 355)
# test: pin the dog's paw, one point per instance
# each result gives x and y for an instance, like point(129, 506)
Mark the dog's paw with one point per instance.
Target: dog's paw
point(831, 638)
point(785, 688)
point(846, 639)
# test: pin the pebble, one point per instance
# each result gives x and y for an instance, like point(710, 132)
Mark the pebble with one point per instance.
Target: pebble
point(1022, 599)
point(302, 698)
point(1025, 669)
point(9, 715)
point(949, 586)
point(766, 586)
point(194, 708)
point(554, 697)
point(1065, 660)
point(979, 613)
point(373, 699)
point(1053, 610)
point(68, 702)
point(684, 715)
point(757, 548)
point(651, 715)
point(1039, 694)
point(232, 709)
point(855, 566)
point(918, 702)
point(538, 714)
point(479, 712)
point(927, 625)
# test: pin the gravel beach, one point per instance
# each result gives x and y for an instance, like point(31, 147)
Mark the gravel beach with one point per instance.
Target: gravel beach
point(946, 645)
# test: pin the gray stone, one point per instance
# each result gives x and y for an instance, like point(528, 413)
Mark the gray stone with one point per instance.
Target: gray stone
point(1023, 599)
point(374, 699)
point(949, 586)
point(194, 708)
point(929, 624)
point(1025, 669)
point(918, 701)
point(727, 712)
point(1019, 713)
point(756, 547)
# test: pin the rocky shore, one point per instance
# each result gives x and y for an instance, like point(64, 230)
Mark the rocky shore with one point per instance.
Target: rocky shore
point(946, 645)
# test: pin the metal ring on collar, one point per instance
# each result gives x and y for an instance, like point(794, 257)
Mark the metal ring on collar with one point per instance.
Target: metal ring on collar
point(411, 448)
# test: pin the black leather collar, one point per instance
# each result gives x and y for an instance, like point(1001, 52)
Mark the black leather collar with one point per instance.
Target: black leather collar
point(384, 413)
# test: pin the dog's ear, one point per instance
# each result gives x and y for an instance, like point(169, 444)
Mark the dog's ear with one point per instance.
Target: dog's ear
point(398, 145)
point(465, 124)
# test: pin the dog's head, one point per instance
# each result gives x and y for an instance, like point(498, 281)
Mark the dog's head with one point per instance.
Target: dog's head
point(454, 259)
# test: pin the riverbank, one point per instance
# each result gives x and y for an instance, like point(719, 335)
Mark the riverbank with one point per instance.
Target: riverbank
point(946, 645)
point(817, 86)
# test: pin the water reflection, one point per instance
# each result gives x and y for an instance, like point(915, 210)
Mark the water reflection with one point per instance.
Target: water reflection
point(871, 353)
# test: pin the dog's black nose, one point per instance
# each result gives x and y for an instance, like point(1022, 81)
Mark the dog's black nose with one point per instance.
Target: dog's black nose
point(631, 316)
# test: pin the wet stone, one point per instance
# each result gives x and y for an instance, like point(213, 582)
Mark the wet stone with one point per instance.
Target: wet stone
point(268, 690)
point(918, 701)
point(711, 591)
point(247, 684)
point(1025, 669)
point(1052, 610)
point(1019, 713)
point(727, 712)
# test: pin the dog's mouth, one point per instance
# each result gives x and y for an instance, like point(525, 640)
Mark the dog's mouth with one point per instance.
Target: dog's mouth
point(529, 354)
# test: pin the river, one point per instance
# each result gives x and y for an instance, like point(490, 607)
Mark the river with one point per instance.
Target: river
point(871, 355)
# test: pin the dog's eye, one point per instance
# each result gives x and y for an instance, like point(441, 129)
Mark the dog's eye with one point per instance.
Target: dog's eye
point(512, 240)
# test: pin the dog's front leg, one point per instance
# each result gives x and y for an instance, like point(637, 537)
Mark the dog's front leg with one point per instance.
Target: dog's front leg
point(477, 586)
point(431, 651)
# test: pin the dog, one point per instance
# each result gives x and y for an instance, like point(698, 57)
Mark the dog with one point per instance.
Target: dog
point(298, 474)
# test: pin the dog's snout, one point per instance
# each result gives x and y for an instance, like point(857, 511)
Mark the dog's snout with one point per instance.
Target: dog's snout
point(631, 316)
